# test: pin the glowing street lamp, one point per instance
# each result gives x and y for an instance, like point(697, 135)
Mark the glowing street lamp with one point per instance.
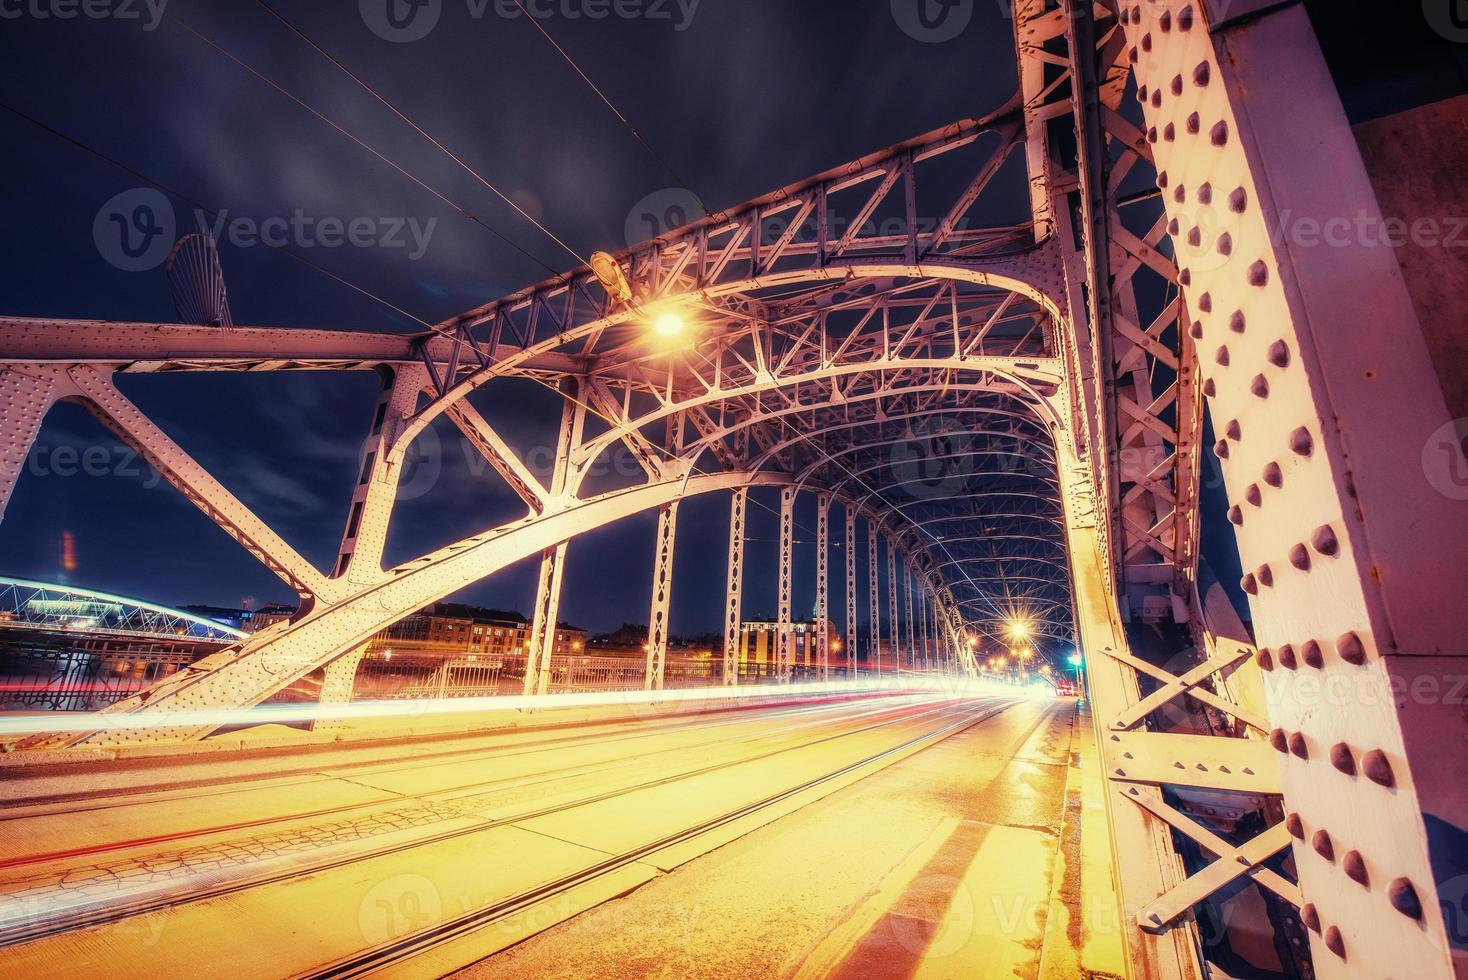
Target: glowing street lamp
point(1019, 629)
point(668, 325)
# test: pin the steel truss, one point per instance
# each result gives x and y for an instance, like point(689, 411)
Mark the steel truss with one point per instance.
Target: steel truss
point(1017, 410)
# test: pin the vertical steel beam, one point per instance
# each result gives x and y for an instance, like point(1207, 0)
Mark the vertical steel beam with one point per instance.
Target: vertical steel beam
point(662, 593)
point(339, 678)
point(543, 622)
point(894, 628)
point(850, 591)
point(733, 632)
point(907, 618)
point(823, 587)
point(379, 468)
point(925, 608)
point(784, 637)
point(553, 559)
point(874, 603)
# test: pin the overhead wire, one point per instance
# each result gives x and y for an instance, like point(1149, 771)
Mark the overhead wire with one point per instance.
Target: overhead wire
point(363, 84)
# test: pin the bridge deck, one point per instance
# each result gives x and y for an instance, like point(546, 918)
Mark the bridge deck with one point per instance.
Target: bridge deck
point(427, 856)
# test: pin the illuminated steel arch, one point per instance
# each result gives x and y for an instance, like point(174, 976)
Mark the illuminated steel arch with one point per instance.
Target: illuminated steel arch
point(808, 325)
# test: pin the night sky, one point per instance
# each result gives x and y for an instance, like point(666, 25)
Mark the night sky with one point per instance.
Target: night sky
point(737, 96)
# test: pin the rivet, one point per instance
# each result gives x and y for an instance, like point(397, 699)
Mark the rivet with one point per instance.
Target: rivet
point(1342, 759)
point(1238, 200)
point(1236, 321)
point(1249, 585)
point(1225, 244)
point(1324, 540)
point(1377, 769)
point(1157, 98)
point(1205, 193)
point(1172, 227)
point(1209, 388)
point(1218, 135)
point(1185, 277)
point(1162, 175)
point(1323, 846)
point(1312, 655)
point(1235, 515)
point(1233, 431)
point(1266, 576)
point(1147, 41)
point(1273, 475)
point(1263, 659)
point(1334, 942)
point(1295, 826)
point(1287, 657)
point(1152, 135)
point(1221, 356)
point(1196, 329)
point(1404, 898)
point(1165, 21)
point(1300, 557)
point(1185, 18)
point(1169, 133)
point(1351, 649)
point(1195, 234)
point(1220, 449)
point(1201, 73)
point(1126, 16)
point(1311, 917)
point(1298, 747)
point(1258, 273)
point(1252, 495)
point(1279, 740)
point(1259, 387)
point(1177, 85)
point(1180, 193)
point(1194, 123)
point(1355, 868)
point(1301, 444)
point(1131, 54)
point(1205, 302)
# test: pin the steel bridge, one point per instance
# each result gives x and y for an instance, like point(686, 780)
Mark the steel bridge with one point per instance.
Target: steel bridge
point(1069, 362)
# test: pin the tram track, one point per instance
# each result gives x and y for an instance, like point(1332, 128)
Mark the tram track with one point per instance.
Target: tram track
point(105, 912)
